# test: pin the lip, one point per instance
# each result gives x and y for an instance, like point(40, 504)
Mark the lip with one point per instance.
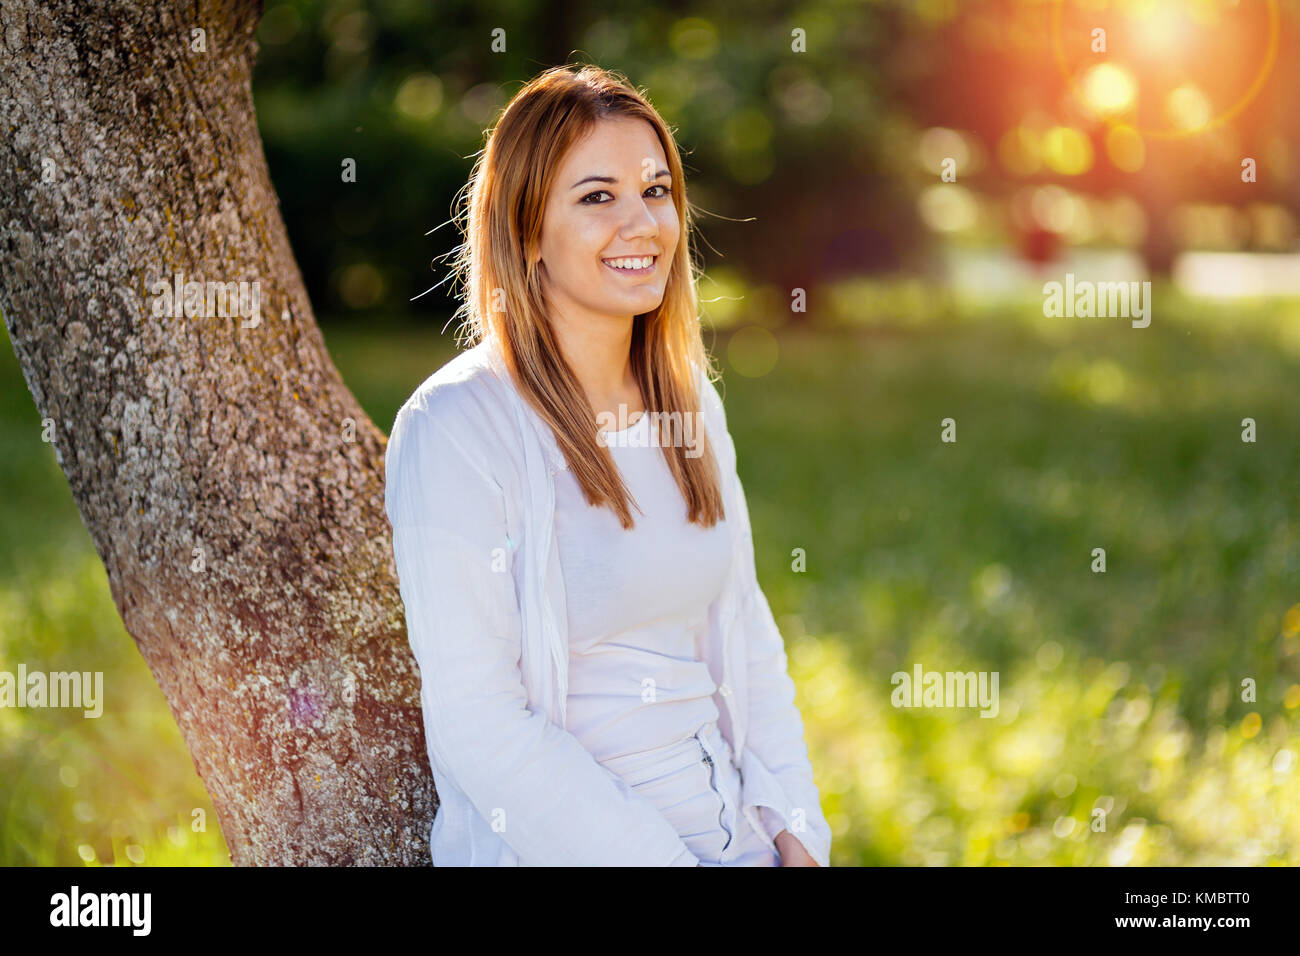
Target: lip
point(632, 272)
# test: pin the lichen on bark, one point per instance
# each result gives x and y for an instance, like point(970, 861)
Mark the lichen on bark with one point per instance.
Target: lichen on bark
point(245, 541)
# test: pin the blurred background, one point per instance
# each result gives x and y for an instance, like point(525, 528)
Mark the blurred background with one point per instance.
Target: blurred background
point(920, 169)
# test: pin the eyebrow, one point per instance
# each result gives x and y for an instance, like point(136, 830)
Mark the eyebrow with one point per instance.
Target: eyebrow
point(611, 179)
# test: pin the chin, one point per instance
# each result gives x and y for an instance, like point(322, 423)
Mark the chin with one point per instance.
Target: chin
point(646, 303)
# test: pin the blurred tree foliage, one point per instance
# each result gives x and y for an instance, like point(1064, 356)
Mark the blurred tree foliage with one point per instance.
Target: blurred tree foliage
point(796, 158)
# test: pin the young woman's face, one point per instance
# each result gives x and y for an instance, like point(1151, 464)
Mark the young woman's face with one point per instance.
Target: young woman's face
point(611, 201)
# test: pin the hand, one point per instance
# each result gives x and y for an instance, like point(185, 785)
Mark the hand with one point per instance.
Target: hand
point(792, 851)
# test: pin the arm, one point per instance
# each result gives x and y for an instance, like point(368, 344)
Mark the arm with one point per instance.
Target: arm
point(558, 805)
point(778, 776)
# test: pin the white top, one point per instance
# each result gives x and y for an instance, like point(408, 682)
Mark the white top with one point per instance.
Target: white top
point(470, 493)
point(638, 603)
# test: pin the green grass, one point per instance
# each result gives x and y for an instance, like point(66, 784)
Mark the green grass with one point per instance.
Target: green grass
point(1119, 692)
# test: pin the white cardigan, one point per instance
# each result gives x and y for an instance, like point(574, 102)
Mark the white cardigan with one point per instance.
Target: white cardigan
point(470, 494)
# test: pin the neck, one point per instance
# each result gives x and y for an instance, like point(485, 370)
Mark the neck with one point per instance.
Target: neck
point(599, 350)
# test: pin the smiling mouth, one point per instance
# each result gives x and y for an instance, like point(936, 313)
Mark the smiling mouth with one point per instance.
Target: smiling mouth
point(632, 265)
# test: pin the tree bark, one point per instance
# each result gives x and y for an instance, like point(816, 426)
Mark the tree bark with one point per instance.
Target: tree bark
point(212, 458)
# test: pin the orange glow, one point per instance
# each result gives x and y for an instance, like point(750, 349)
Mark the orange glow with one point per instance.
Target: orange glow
point(1166, 28)
point(1018, 151)
point(1125, 148)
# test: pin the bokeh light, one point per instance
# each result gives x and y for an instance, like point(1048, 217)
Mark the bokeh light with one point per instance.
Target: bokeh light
point(1125, 148)
point(1109, 89)
point(1188, 107)
point(1067, 151)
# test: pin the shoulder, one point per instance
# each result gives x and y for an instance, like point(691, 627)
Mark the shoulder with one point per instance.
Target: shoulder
point(461, 415)
point(710, 398)
point(715, 419)
point(455, 395)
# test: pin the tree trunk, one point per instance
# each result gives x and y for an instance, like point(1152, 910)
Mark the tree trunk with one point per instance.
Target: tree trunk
point(232, 485)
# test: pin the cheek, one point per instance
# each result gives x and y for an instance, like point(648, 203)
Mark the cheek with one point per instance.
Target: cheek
point(580, 240)
point(669, 227)
point(591, 237)
point(570, 240)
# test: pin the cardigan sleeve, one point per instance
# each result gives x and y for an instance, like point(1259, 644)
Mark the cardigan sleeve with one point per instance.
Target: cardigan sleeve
point(777, 772)
point(533, 781)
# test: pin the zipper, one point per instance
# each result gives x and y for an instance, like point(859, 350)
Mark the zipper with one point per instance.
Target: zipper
point(713, 782)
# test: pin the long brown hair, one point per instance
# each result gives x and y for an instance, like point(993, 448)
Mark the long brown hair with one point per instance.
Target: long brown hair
point(501, 288)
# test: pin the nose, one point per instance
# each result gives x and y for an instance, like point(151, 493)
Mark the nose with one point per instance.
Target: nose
point(641, 222)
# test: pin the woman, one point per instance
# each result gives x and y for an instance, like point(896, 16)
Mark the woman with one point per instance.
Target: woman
point(597, 689)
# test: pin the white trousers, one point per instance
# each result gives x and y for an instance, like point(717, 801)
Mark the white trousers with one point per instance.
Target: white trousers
point(696, 788)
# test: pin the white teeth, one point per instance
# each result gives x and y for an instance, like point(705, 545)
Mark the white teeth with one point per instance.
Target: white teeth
point(642, 263)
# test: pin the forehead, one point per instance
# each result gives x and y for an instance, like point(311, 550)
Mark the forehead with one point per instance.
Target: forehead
point(613, 144)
